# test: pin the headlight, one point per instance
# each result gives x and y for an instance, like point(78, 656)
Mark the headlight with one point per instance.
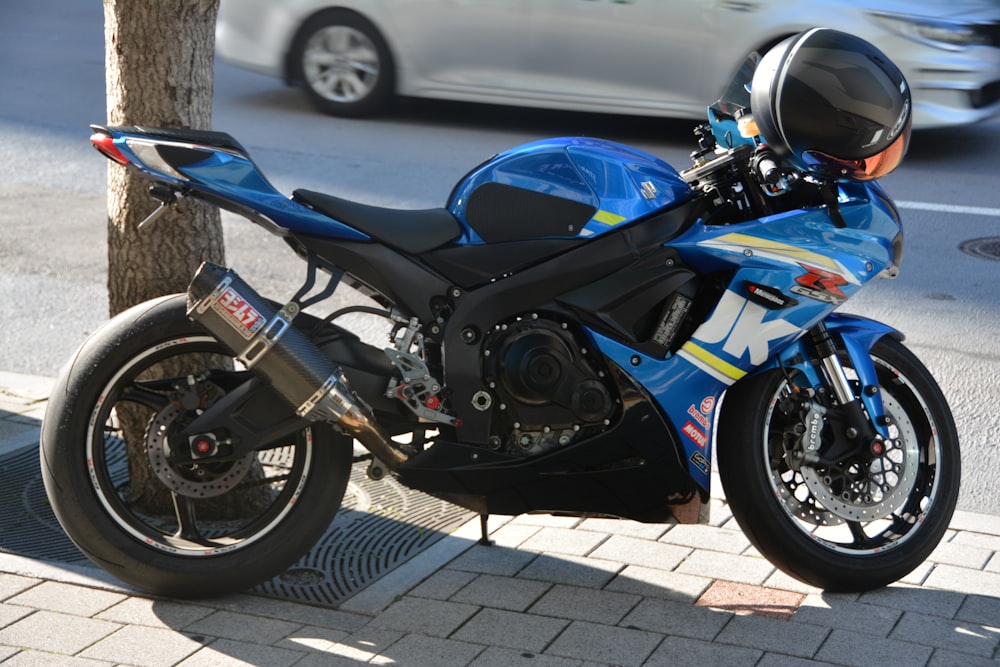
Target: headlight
point(951, 35)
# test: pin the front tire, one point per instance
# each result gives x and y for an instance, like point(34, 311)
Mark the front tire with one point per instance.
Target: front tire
point(226, 525)
point(855, 526)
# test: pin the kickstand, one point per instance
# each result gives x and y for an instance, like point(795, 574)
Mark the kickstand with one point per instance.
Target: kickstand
point(485, 539)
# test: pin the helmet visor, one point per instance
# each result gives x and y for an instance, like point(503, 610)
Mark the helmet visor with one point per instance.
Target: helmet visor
point(865, 169)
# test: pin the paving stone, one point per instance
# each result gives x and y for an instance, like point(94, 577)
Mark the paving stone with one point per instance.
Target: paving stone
point(312, 638)
point(684, 652)
point(980, 609)
point(651, 582)
point(151, 647)
point(512, 535)
point(358, 648)
point(919, 574)
point(42, 659)
point(502, 592)
point(645, 531)
point(293, 612)
point(951, 635)
point(422, 651)
point(56, 633)
point(778, 660)
point(854, 650)
point(230, 653)
point(676, 618)
point(786, 582)
point(492, 560)
point(563, 541)
point(155, 613)
point(751, 599)
point(546, 520)
point(974, 522)
point(979, 540)
point(707, 537)
point(11, 613)
point(870, 619)
point(962, 555)
point(964, 580)
point(768, 634)
point(912, 598)
point(942, 658)
point(504, 657)
point(641, 552)
point(745, 569)
point(604, 644)
point(442, 584)
point(437, 618)
point(12, 584)
point(573, 570)
point(585, 604)
point(76, 600)
point(496, 627)
point(242, 627)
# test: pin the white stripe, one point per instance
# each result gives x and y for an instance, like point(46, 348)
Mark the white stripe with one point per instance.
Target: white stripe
point(949, 208)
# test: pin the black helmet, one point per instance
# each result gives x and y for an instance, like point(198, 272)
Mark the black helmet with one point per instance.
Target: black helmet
point(834, 103)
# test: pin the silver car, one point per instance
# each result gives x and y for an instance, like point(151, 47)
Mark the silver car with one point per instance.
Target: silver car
point(643, 57)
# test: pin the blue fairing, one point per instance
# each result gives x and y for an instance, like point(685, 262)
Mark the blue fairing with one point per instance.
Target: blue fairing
point(235, 182)
point(621, 184)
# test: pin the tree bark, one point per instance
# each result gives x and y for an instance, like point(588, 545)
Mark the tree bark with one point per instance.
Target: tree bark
point(159, 58)
point(159, 62)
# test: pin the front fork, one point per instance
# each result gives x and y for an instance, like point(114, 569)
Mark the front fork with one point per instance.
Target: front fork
point(860, 421)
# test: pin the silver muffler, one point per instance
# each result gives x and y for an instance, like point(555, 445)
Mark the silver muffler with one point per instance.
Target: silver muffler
point(262, 337)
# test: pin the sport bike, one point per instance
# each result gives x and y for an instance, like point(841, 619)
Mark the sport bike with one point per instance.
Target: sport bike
point(581, 330)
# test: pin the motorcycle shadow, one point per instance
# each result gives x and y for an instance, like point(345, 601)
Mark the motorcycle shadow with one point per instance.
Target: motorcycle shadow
point(520, 600)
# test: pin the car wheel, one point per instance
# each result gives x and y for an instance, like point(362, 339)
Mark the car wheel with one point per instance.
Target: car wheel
point(343, 63)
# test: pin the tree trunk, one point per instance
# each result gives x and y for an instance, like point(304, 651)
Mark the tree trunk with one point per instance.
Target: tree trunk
point(159, 57)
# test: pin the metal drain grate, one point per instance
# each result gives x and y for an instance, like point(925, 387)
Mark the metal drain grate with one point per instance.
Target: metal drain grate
point(984, 248)
point(380, 526)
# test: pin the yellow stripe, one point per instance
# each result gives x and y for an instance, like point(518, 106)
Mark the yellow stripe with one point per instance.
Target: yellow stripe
point(710, 359)
point(790, 251)
point(608, 218)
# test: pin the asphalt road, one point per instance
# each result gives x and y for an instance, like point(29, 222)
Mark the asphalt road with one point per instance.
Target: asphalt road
point(52, 207)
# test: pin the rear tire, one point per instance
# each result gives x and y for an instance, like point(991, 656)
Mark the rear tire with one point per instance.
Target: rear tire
point(113, 392)
point(813, 523)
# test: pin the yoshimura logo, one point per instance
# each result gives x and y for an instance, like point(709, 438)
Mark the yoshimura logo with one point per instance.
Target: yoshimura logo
point(238, 313)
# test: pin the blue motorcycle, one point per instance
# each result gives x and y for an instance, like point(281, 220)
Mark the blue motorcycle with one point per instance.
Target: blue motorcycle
point(582, 329)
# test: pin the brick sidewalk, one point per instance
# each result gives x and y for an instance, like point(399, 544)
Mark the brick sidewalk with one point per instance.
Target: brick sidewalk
point(552, 592)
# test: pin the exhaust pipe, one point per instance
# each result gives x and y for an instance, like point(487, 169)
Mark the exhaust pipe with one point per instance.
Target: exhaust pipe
point(264, 339)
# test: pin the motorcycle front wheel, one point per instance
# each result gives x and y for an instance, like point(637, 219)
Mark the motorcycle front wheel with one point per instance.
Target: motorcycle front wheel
point(857, 525)
point(162, 520)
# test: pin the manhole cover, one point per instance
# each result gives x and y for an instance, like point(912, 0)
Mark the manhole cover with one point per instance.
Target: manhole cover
point(985, 248)
point(380, 526)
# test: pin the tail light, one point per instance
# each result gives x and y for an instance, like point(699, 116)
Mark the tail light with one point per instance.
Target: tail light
point(106, 145)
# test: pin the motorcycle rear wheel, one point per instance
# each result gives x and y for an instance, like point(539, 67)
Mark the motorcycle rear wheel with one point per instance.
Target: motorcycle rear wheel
point(813, 522)
point(229, 524)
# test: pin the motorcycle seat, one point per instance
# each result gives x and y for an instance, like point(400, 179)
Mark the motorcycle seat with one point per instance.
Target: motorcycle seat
point(413, 231)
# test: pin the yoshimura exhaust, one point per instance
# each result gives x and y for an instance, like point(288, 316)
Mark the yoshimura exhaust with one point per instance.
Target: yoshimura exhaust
point(263, 338)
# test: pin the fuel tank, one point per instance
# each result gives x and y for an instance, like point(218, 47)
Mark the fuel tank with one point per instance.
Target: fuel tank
point(568, 187)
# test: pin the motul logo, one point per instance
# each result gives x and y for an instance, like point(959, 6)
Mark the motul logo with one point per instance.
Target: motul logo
point(699, 438)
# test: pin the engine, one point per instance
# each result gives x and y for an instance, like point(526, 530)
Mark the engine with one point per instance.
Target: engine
point(550, 389)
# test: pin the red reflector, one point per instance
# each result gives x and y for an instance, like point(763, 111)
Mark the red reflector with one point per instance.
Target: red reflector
point(106, 145)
